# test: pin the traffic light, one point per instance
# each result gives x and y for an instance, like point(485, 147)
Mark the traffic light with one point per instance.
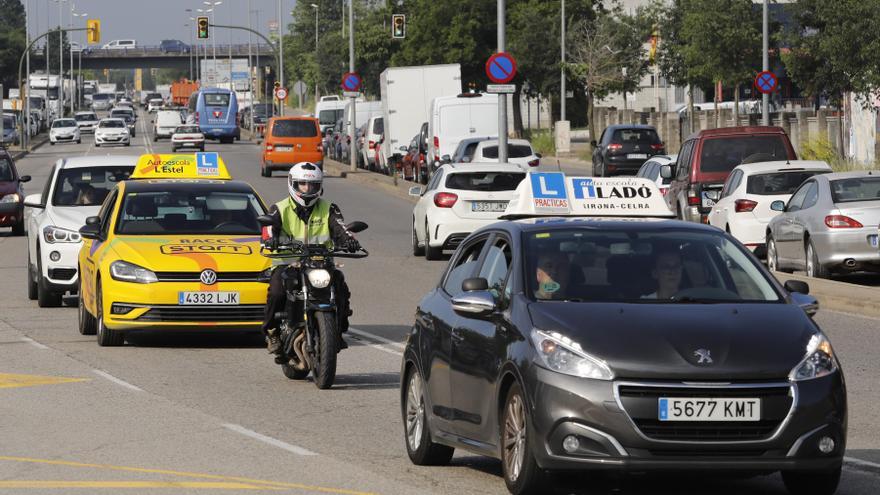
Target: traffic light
point(398, 26)
point(93, 35)
point(203, 28)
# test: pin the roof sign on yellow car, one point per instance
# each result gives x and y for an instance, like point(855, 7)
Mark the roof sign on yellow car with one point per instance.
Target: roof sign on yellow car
point(554, 194)
point(181, 166)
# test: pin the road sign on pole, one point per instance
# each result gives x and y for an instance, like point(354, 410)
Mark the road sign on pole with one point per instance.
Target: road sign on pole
point(766, 82)
point(281, 93)
point(351, 82)
point(501, 88)
point(501, 68)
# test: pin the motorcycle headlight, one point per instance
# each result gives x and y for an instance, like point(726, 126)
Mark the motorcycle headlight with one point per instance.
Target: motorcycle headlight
point(128, 272)
point(319, 278)
point(559, 353)
point(818, 362)
point(10, 198)
point(53, 234)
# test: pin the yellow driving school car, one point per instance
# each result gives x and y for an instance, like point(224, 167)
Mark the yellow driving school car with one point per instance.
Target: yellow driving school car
point(174, 247)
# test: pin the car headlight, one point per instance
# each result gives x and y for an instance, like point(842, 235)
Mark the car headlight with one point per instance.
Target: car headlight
point(53, 234)
point(319, 278)
point(10, 198)
point(559, 353)
point(266, 274)
point(818, 362)
point(128, 272)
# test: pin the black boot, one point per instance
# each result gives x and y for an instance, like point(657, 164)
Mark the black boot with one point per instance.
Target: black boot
point(273, 342)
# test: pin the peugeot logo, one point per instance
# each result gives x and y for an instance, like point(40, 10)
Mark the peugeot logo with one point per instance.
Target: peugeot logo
point(704, 356)
point(208, 277)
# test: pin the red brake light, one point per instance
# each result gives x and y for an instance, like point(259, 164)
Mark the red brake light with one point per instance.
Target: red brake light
point(657, 147)
point(615, 146)
point(266, 233)
point(744, 205)
point(270, 146)
point(445, 199)
point(842, 222)
point(535, 162)
point(436, 149)
point(693, 201)
point(372, 144)
point(320, 148)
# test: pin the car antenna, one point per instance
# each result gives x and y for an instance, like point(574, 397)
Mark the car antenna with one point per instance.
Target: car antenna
point(558, 166)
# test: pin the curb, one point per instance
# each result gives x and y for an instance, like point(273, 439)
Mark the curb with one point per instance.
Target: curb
point(23, 153)
point(861, 465)
point(840, 296)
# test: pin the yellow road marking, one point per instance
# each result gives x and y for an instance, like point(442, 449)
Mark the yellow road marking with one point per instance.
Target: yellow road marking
point(14, 380)
point(185, 474)
point(209, 485)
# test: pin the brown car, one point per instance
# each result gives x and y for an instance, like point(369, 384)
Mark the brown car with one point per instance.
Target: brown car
point(707, 158)
point(11, 194)
point(291, 140)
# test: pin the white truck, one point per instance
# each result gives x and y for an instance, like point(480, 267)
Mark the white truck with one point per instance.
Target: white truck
point(48, 87)
point(407, 93)
point(165, 91)
point(107, 88)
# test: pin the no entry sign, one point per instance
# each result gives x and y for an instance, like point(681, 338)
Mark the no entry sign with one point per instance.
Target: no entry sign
point(766, 82)
point(501, 68)
point(351, 82)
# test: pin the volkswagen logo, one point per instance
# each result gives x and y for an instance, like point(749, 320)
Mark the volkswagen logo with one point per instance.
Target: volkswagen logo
point(208, 277)
point(704, 356)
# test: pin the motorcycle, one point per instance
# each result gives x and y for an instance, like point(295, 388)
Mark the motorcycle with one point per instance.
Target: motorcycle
point(309, 344)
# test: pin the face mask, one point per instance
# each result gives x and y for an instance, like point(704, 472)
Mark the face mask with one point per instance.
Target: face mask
point(550, 287)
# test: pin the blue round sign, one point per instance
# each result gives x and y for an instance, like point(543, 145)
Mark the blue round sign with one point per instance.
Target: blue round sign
point(766, 82)
point(501, 68)
point(351, 81)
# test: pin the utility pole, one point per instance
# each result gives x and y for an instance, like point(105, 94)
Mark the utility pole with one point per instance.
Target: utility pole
point(250, 70)
point(25, 87)
point(60, 61)
point(502, 98)
point(315, 6)
point(280, 58)
point(765, 98)
point(351, 129)
point(562, 69)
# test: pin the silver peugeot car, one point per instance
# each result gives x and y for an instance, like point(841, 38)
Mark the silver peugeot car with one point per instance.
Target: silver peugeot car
point(829, 226)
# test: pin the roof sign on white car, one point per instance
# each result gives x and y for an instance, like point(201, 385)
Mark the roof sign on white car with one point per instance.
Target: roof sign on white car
point(554, 194)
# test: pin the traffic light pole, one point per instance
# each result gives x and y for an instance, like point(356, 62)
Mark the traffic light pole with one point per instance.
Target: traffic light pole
point(352, 159)
point(502, 98)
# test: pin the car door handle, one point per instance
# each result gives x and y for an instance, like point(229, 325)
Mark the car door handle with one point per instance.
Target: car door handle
point(457, 337)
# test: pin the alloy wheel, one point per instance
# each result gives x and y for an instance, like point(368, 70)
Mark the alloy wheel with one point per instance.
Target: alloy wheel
point(514, 437)
point(772, 263)
point(415, 412)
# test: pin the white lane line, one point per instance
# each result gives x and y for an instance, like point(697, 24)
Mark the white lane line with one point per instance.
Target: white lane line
point(268, 440)
point(369, 335)
point(34, 343)
point(117, 381)
point(366, 336)
point(861, 463)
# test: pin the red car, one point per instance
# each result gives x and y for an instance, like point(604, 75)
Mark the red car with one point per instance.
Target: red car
point(11, 195)
point(413, 165)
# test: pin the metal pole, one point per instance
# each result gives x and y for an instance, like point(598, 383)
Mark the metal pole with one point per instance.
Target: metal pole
point(26, 93)
point(502, 98)
point(562, 69)
point(72, 86)
point(316, 51)
point(765, 98)
point(280, 57)
point(351, 143)
point(250, 70)
point(60, 63)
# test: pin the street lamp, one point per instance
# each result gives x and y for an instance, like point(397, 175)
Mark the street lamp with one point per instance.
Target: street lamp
point(213, 6)
point(79, 70)
point(60, 62)
point(315, 6)
point(205, 45)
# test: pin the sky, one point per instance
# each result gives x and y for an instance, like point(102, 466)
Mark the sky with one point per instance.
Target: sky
point(150, 21)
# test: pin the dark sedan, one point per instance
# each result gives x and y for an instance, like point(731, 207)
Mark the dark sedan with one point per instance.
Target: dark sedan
point(11, 194)
point(628, 344)
point(622, 149)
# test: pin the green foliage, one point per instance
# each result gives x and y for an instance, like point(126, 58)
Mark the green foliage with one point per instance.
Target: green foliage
point(12, 40)
point(818, 149)
point(543, 142)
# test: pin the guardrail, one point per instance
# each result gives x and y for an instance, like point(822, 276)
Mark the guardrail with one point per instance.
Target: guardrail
point(156, 51)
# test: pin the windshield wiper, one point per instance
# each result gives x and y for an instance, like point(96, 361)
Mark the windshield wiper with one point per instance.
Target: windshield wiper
point(695, 300)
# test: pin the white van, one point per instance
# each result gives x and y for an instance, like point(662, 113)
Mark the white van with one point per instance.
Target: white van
point(165, 123)
point(120, 45)
point(454, 118)
point(328, 112)
point(364, 111)
point(372, 139)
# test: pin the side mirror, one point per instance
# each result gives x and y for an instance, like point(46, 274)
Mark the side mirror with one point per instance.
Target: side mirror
point(465, 159)
point(265, 220)
point(797, 286)
point(357, 226)
point(24, 178)
point(415, 191)
point(93, 220)
point(33, 201)
point(404, 149)
point(777, 205)
point(666, 171)
point(446, 159)
point(474, 284)
point(594, 144)
point(474, 303)
point(90, 231)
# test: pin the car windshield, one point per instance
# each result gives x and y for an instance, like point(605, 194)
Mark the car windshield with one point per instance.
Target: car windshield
point(327, 117)
point(121, 113)
point(513, 151)
point(635, 136)
point(723, 154)
point(190, 212)
point(188, 129)
point(5, 169)
point(101, 96)
point(36, 102)
point(616, 265)
point(778, 182)
point(294, 128)
point(112, 123)
point(63, 123)
point(855, 189)
point(8, 121)
point(484, 181)
point(87, 186)
point(84, 117)
point(217, 99)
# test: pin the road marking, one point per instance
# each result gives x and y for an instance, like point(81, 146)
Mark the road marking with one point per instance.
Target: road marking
point(268, 440)
point(372, 336)
point(185, 474)
point(861, 463)
point(209, 485)
point(34, 343)
point(117, 381)
point(14, 380)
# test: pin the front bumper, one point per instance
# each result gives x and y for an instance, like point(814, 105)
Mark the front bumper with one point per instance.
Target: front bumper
point(64, 139)
point(11, 214)
point(188, 144)
point(62, 275)
point(449, 230)
point(87, 129)
point(609, 437)
point(103, 139)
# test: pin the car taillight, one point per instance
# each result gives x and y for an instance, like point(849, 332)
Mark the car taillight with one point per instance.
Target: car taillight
point(436, 149)
point(842, 222)
point(744, 205)
point(535, 162)
point(693, 200)
point(371, 144)
point(320, 148)
point(615, 146)
point(197, 117)
point(445, 199)
point(657, 147)
point(270, 147)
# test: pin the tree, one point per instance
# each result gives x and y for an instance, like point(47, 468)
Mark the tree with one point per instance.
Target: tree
point(12, 40)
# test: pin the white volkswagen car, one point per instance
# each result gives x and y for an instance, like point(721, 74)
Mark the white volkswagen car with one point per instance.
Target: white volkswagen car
point(459, 199)
point(112, 131)
point(519, 151)
point(64, 131)
point(75, 190)
point(743, 209)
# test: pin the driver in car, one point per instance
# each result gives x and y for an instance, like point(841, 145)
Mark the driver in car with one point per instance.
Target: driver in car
point(552, 275)
point(667, 272)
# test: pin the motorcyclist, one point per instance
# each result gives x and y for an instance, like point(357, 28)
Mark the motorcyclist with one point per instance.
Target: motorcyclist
point(305, 217)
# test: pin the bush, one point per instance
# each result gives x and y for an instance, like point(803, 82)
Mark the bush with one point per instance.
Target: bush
point(543, 142)
point(818, 149)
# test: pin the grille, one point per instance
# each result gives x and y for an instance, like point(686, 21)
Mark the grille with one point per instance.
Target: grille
point(708, 453)
point(62, 273)
point(221, 276)
point(249, 312)
point(640, 403)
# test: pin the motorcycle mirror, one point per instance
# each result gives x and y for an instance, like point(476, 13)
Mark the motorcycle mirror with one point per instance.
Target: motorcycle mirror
point(357, 226)
point(265, 220)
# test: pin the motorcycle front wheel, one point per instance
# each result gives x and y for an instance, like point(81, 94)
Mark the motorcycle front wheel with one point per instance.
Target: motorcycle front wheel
point(324, 369)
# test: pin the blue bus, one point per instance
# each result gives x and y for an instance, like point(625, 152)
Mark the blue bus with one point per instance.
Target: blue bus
point(215, 110)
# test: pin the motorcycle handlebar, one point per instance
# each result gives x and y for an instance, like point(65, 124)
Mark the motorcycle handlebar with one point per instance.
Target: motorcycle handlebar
point(300, 250)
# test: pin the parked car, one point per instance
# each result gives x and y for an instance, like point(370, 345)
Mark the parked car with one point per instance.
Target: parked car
point(87, 121)
point(173, 46)
point(651, 170)
point(413, 165)
point(372, 134)
point(10, 130)
point(74, 191)
point(112, 131)
point(165, 123)
point(187, 136)
point(519, 151)
point(120, 45)
point(11, 194)
point(64, 131)
point(459, 200)
point(290, 140)
point(744, 207)
point(706, 159)
point(829, 226)
point(622, 149)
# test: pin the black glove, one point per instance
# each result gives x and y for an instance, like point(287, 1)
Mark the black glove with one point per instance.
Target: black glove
point(351, 245)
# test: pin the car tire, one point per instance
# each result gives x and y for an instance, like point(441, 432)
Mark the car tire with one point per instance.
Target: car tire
point(814, 268)
point(324, 368)
point(202, 149)
point(416, 249)
point(46, 298)
point(518, 466)
point(105, 336)
point(97, 145)
point(87, 322)
point(773, 257)
point(266, 171)
point(422, 451)
point(31, 282)
point(155, 138)
point(51, 143)
point(79, 141)
point(431, 253)
point(128, 143)
point(810, 482)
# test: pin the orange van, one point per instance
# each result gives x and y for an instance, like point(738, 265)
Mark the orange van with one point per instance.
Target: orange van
point(290, 140)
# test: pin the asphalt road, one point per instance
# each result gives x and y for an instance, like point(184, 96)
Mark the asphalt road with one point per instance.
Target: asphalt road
point(190, 413)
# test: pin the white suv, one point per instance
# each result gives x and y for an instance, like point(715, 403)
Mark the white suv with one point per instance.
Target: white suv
point(74, 191)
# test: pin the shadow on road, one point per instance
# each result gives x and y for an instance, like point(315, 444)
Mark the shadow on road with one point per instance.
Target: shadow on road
point(197, 340)
point(367, 381)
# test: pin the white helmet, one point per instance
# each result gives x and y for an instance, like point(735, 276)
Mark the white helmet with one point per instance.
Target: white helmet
point(305, 183)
